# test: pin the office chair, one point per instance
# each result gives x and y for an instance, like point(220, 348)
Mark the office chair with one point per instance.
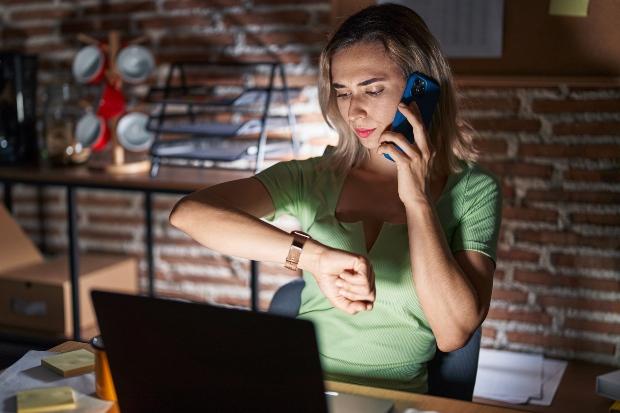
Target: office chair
point(450, 374)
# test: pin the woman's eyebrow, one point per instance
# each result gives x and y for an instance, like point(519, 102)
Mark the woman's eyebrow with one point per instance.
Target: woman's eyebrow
point(364, 83)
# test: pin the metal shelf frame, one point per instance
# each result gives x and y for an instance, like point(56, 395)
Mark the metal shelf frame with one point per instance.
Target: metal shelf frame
point(181, 94)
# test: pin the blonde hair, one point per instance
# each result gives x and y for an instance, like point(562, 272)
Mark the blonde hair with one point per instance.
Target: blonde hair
point(409, 43)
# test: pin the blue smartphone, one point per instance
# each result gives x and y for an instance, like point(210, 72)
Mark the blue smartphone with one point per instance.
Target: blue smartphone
point(425, 92)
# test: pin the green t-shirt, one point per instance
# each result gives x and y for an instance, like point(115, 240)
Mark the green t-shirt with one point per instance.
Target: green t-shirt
point(390, 345)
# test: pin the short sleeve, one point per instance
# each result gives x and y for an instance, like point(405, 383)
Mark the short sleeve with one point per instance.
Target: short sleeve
point(283, 181)
point(478, 228)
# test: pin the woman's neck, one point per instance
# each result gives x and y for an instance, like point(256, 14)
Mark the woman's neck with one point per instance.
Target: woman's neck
point(378, 166)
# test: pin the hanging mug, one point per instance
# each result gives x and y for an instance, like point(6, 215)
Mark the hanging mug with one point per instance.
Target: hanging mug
point(91, 131)
point(132, 134)
point(89, 65)
point(135, 63)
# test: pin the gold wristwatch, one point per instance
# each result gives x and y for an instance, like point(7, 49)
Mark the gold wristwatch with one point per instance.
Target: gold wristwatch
point(299, 239)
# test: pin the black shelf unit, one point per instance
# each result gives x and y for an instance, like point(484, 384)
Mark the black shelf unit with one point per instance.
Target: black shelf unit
point(181, 105)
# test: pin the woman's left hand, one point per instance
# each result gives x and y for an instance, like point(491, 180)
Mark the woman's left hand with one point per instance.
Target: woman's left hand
point(415, 162)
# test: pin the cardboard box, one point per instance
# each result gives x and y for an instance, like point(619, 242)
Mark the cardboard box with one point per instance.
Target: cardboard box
point(35, 295)
point(16, 249)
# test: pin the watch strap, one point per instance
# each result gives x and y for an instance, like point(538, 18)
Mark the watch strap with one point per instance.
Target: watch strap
point(292, 259)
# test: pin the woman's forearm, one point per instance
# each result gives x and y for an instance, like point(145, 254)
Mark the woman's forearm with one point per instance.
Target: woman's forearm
point(450, 301)
point(231, 231)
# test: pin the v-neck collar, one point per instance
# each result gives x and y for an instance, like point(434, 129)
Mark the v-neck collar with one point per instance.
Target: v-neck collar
point(339, 186)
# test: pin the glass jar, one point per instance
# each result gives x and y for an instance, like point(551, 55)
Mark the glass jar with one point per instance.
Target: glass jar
point(62, 111)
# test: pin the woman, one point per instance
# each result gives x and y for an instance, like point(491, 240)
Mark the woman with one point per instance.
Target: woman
point(400, 255)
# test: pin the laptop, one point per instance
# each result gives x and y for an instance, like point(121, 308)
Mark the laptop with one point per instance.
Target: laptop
point(172, 356)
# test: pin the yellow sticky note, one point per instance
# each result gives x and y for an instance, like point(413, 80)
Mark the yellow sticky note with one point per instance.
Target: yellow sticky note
point(615, 408)
point(575, 8)
point(49, 399)
point(71, 363)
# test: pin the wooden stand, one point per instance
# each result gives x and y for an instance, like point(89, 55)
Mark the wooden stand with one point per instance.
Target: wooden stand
point(119, 166)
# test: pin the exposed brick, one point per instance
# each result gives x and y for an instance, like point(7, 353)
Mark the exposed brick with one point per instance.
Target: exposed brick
point(85, 233)
point(47, 47)
point(530, 214)
point(22, 2)
point(171, 22)
point(294, 58)
point(206, 279)
point(48, 197)
point(568, 343)
point(323, 17)
point(508, 192)
point(506, 124)
point(499, 275)
point(585, 261)
point(199, 4)
point(483, 103)
point(570, 106)
point(86, 26)
point(514, 296)
point(532, 317)
point(493, 146)
point(136, 220)
point(595, 326)
point(514, 254)
point(589, 151)
point(559, 280)
point(566, 238)
point(607, 175)
point(115, 8)
point(488, 332)
point(516, 168)
point(587, 128)
point(54, 13)
point(292, 80)
point(204, 40)
point(285, 38)
point(276, 17)
point(595, 219)
point(48, 215)
point(22, 33)
point(562, 195)
point(579, 303)
point(284, 2)
point(111, 201)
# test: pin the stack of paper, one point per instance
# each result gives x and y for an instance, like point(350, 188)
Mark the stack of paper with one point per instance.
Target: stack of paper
point(517, 378)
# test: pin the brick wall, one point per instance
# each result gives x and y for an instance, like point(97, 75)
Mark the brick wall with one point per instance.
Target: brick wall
point(554, 144)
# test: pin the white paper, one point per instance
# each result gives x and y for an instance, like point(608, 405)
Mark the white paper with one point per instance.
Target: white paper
point(27, 373)
point(553, 370)
point(509, 376)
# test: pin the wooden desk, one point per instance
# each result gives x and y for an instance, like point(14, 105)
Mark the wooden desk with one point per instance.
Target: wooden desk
point(169, 180)
point(402, 400)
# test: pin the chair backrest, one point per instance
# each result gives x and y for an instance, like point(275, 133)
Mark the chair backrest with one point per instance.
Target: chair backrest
point(450, 374)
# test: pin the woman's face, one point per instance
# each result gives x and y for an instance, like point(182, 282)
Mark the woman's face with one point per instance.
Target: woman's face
point(368, 87)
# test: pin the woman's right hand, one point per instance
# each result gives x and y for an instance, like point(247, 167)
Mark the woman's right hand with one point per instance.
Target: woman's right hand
point(347, 280)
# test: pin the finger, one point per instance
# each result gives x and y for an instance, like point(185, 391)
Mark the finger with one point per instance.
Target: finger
point(354, 279)
point(410, 149)
point(413, 115)
point(361, 290)
point(354, 307)
point(349, 295)
point(398, 156)
point(399, 139)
